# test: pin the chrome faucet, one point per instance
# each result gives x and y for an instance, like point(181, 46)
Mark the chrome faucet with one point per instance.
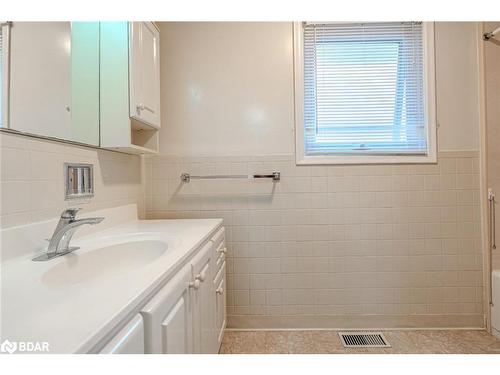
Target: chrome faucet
point(68, 224)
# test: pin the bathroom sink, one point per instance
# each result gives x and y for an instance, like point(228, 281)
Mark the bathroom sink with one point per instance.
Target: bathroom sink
point(103, 262)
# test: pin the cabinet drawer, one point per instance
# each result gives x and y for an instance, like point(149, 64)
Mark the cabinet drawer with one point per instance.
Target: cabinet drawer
point(130, 340)
point(219, 237)
point(220, 303)
point(220, 275)
point(204, 255)
point(220, 260)
point(220, 254)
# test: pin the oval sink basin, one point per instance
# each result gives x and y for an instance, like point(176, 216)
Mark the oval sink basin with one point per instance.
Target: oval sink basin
point(112, 260)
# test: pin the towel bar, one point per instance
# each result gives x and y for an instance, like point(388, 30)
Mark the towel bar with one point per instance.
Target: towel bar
point(186, 177)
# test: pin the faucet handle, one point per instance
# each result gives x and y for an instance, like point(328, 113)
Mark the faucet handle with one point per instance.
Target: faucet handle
point(70, 213)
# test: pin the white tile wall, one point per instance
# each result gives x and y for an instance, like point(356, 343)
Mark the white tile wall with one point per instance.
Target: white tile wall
point(336, 240)
point(492, 83)
point(32, 182)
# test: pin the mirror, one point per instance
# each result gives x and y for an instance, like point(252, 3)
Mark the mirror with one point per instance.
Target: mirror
point(50, 73)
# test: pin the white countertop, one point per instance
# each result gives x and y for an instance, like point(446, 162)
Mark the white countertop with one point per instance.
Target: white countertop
point(74, 318)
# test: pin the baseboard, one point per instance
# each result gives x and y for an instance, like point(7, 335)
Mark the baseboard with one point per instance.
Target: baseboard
point(253, 322)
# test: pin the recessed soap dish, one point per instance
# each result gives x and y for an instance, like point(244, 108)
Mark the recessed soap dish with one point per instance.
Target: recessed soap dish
point(79, 180)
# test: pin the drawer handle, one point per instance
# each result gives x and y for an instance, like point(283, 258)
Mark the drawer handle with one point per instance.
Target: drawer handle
point(201, 276)
point(220, 290)
point(195, 284)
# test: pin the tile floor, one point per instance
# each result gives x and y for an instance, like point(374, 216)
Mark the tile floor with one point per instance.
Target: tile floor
point(328, 342)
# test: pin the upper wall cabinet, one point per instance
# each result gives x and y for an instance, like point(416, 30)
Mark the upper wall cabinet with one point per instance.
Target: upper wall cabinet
point(49, 75)
point(130, 86)
point(145, 73)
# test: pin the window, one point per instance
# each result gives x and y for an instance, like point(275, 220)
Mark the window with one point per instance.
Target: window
point(365, 93)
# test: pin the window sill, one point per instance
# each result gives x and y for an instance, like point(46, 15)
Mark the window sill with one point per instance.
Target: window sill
point(364, 159)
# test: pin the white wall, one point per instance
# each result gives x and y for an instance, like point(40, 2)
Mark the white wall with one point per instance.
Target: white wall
point(457, 85)
point(227, 88)
point(32, 179)
point(330, 246)
point(492, 84)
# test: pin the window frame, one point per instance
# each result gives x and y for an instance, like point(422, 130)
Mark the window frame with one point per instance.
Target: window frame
point(429, 108)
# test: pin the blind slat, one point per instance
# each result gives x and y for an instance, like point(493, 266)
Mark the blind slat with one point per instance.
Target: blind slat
point(364, 88)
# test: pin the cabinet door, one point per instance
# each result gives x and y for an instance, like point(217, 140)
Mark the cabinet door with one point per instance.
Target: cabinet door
point(130, 340)
point(204, 302)
point(220, 304)
point(168, 317)
point(174, 328)
point(145, 73)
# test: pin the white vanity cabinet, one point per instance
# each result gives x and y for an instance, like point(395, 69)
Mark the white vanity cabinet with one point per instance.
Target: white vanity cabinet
point(129, 86)
point(153, 290)
point(188, 315)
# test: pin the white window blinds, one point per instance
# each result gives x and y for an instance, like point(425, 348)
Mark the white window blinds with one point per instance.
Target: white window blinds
point(364, 89)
